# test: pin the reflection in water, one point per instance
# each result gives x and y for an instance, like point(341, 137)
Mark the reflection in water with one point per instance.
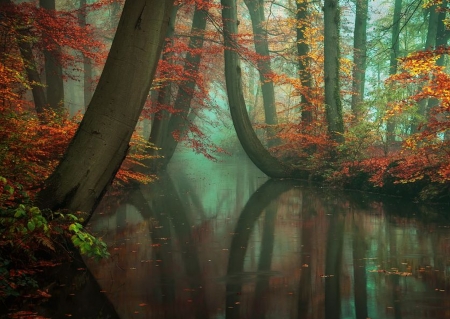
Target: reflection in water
point(221, 241)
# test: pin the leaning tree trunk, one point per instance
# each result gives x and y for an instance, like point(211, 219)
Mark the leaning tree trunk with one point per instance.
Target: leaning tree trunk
point(162, 116)
point(359, 56)
point(53, 68)
point(333, 104)
point(256, 10)
point(180, 121)
point(101, 142)
point(238, 110)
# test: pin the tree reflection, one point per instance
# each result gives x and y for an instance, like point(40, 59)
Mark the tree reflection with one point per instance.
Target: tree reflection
point(286, 250)
point(239, 244)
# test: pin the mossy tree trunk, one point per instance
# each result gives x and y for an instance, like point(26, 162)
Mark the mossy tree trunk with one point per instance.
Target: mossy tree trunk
point(333, 106)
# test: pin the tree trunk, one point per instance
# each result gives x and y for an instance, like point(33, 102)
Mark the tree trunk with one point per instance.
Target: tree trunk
point(161, 118)
point(101, 142)
point(40, 101)
point(429, 45)
point(440, 41)
point(53, 68)
point(34, 79)
point(359, 56)
point(395, 45)
point(333, 104)
point(238, 110)
point(304, 61)
point(87, 67)
point(180, 121)
point(256, 10)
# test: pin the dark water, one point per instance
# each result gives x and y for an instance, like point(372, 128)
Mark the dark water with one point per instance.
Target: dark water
point(220, 240)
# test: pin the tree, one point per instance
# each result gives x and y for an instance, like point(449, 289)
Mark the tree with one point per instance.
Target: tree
point(359, 56)
point(256, 10)
point(161, 117)
point(333, 104)
point(304, 60)
point(53, 68)
point(87, 67)
point(393, 63)
point(177, 124)
point(101, 142)
point(238, 110)
point(441, 40)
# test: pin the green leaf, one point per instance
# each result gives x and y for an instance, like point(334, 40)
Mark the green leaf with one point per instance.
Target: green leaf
point(31, 226)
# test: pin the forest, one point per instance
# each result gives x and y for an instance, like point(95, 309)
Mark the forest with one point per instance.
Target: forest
point(98, 95)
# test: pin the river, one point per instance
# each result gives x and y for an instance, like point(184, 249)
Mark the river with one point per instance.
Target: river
point(221, 240)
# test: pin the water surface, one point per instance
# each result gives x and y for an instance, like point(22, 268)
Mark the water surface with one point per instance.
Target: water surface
point(221, 240)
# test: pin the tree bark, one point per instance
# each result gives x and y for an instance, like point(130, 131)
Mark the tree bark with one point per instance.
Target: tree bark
point(87, 67)
point(238, 110)
point(161, 117)
point(256, 10)
point(34, 79)
point(441, 40)
point(53, 68)
point(359, 56)
point(37, 90)
point(333, 104)
point(180, 121)
point(395, 45)
point(429, 45)
point(101, 142)
point(304, 61)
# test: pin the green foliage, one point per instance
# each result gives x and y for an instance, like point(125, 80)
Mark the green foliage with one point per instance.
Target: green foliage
point(28, 236)
point(85, 242)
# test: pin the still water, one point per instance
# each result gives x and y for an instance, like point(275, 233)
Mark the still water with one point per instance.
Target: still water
point(221, 240)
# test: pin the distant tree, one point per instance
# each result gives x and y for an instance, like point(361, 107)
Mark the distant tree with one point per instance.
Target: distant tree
point(102, 140)
point(333, 106)
point(167, 135)
point(304, 60)
point(359, 56)
point(393, 64)
point(53, 67)
point(87, 64)
point(442, 35)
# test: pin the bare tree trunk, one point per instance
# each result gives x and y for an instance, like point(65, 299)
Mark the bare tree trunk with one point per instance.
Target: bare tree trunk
point(102, 140)
point(40, 101)
point(87, 67)
point(238, 110)
point(26, 51)
point(256, 10)
point(359, 56)
point(161, 118)
point(304, 61)
point(53, 67)
point(429, 45)
point(395, 45)
point(180, 121)
point(333, 104)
